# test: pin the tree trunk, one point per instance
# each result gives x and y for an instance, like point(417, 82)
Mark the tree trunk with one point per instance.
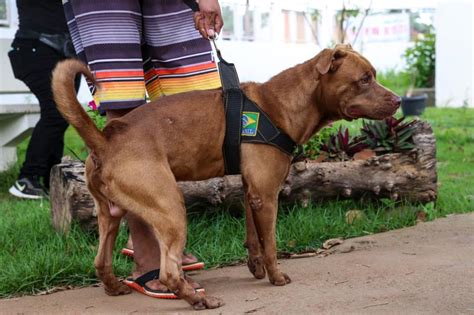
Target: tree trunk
point(411, 176)
point(69, 197)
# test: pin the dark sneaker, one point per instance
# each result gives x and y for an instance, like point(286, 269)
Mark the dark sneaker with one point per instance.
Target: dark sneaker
point(29, 188)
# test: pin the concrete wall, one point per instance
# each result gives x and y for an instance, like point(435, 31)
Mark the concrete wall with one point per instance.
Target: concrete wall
point(260, 61)
point(454, 53)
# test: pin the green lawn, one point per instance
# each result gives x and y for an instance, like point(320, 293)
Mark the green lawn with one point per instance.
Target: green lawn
point(33, 257)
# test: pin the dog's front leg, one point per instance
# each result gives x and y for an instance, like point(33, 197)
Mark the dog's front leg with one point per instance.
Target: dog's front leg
point(264, 210)
point(264, 169)
point(255, 261)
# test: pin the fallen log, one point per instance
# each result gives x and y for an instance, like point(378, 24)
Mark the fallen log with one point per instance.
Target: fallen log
point(409, 176)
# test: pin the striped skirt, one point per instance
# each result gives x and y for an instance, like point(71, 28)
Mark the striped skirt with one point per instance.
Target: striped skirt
point(140, 47)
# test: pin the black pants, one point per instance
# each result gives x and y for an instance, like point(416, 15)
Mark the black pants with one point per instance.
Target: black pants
point(32, 62)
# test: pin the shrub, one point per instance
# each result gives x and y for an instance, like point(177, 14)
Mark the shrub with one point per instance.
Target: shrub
point(421, 60)
point(312, 148)
point(381, 136)
point(341, 146)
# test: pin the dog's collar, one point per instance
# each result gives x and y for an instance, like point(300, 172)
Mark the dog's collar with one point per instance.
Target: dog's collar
point(245, 120)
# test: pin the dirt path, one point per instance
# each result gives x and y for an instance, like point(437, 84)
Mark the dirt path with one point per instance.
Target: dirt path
point(424, 269)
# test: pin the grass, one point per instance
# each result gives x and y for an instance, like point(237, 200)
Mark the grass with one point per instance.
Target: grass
point(33, 257)
point(398, 81)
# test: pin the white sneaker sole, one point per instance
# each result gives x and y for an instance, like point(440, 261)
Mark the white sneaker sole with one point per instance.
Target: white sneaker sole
point(15, 192)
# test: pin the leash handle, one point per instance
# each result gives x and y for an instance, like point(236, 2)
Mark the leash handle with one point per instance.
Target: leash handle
point(219, 55)
point(227, 71)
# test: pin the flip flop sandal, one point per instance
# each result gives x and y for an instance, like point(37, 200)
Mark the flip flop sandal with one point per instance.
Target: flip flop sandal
point(139, 285)
point(186, 267)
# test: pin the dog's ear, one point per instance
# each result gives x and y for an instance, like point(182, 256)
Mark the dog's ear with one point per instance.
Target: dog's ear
point(330, 59)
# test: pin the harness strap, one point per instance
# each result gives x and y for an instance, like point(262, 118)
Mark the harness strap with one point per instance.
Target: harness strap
point(236, 104)
point(228, 73)
point(267, 132)
point(233, 114)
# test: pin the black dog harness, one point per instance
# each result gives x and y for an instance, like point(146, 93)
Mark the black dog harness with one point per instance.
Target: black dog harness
point(245, 121)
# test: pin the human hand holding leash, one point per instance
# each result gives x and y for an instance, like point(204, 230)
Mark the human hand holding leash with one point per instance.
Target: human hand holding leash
point(208, 20)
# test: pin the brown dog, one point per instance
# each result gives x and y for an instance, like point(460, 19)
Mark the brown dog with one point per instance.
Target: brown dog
point(180, 137)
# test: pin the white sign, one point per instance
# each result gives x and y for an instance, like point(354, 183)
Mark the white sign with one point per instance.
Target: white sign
point(380, 28)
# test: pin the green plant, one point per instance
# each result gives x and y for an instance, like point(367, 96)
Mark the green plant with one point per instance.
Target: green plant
point(421, 59)
point(98, 119)
point(388, 135)
point(341, 146)
point(430, 210)
point(397, 81)
point(312, 147)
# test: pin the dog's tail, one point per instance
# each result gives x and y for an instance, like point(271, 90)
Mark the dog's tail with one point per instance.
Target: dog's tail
point(67, 103)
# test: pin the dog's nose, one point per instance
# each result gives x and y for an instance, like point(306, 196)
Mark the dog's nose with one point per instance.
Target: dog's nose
point(396, 101)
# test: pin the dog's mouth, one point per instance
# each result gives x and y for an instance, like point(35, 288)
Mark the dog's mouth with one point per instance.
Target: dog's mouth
point(356, 112)
point(353, 112)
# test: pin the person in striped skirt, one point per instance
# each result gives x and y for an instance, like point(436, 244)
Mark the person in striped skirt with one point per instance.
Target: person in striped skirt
point(139, 50)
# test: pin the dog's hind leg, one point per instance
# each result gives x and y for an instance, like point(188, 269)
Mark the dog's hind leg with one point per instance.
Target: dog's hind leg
point(172, 238)
point(108, 229)
point(160, 203)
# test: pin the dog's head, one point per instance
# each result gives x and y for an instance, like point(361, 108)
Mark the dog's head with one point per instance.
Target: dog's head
point(349, 87)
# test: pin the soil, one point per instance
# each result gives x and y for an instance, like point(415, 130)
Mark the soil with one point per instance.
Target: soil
point(425, 269)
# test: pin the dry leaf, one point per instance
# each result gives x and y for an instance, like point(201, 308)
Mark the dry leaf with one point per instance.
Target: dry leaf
point(420, 216)
point(291, 243)
point(364, 154)
point(303, 255)
point(321, 157)
point(332, 242)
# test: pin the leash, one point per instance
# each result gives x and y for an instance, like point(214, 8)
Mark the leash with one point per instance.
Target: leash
point(246, 122)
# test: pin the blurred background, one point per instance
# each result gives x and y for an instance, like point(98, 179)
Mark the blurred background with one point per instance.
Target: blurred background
point(265, 36)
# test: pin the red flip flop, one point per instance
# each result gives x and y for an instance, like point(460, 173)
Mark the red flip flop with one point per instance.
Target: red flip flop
point(186, 267)
point(139, 285)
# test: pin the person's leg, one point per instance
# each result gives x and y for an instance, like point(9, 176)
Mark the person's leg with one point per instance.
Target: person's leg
point(107, 36)
point(33, 63)
point(56, 141)
point(180, 60)
point(141, 235)
point(110, 42)
point(176, 58)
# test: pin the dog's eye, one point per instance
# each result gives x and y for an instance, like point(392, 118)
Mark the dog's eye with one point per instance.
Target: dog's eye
point(365, 80)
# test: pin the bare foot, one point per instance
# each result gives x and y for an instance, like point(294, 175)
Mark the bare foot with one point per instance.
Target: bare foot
point(188, 258)
point(129, 242)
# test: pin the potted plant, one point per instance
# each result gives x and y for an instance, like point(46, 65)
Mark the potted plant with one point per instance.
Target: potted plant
point(420, 61)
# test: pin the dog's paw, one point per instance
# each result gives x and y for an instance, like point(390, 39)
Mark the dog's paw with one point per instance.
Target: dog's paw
point(280, 279)
point(208, 302)
point(256, 267)
point(117, 289)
